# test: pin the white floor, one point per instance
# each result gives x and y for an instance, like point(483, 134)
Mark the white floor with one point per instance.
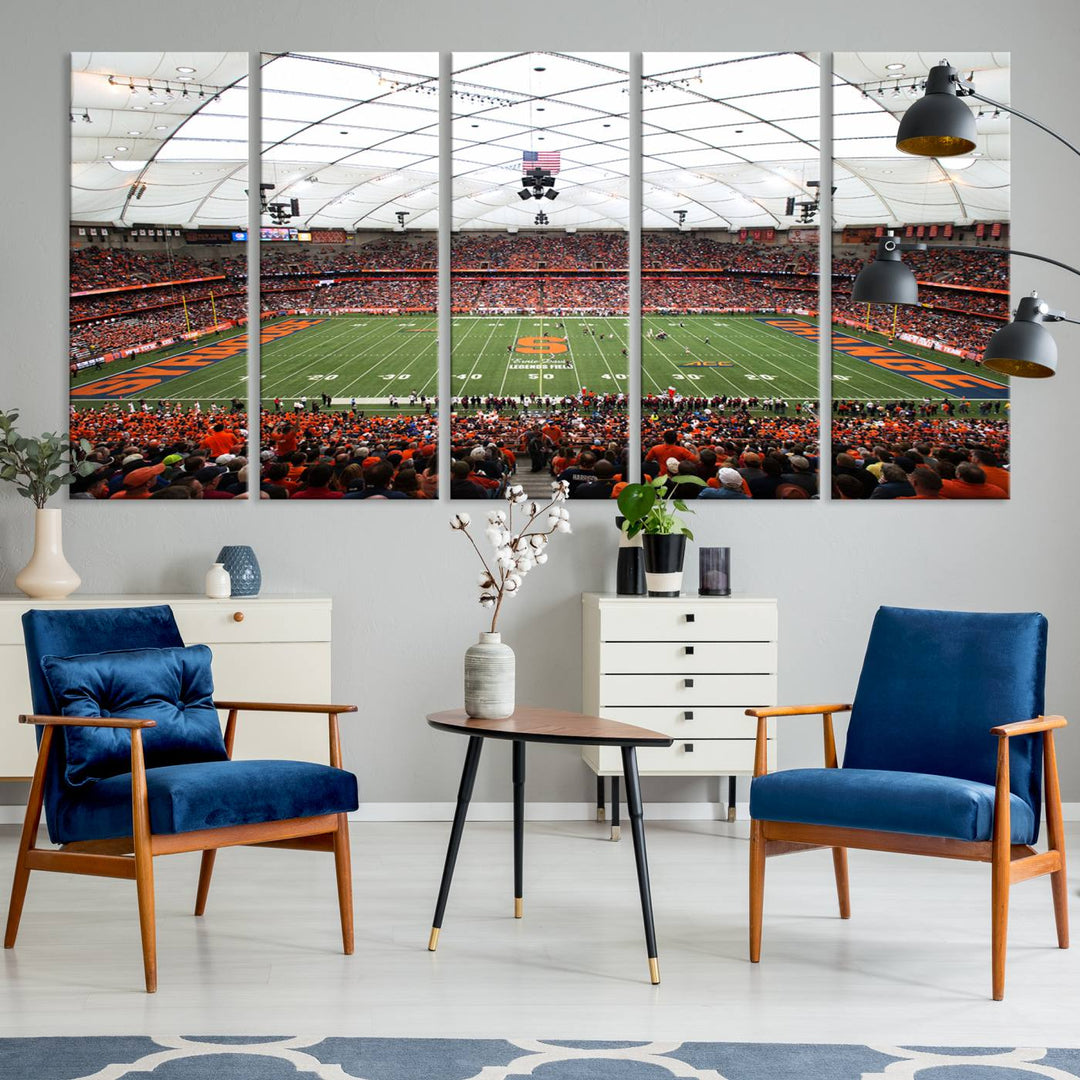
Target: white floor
point(911, 966)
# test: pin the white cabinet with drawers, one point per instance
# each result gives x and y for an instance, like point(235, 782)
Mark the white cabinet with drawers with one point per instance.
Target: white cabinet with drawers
point(687, 666)
point(266, 648)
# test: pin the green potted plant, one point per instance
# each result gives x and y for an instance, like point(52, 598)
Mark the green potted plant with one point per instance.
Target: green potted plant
point(652, 509)
point(39, 467)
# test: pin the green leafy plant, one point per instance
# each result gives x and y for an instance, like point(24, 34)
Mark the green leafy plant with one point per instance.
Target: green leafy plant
point(647, 508)
point(38, 467)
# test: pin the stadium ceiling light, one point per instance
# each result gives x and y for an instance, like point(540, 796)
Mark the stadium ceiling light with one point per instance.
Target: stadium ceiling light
point(895, 67)
point(185, 70)
point(939, 124)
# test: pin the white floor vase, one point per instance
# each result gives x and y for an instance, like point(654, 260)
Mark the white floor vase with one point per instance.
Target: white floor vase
point(48, 575)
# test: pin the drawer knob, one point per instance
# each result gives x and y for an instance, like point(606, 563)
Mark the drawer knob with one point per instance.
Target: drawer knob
point(689, 649)
point(688, 747)
point(688, 715)
point(689, 616)
point(688, 683)
point(238, 616)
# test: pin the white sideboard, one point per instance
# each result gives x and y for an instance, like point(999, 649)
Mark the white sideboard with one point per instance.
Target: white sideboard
point(266, 648)
point(687, 666)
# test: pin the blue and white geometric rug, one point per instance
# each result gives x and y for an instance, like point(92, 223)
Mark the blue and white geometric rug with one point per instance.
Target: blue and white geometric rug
point(289, 1058)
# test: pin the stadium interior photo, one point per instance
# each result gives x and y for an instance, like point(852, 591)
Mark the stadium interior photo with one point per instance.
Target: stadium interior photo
point(502, 783)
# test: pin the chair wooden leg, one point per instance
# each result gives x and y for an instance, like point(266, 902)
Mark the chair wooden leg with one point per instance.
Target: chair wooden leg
point(206, 871)
point(1055, 830)
point(1000, 871)
point(757, 888)
point(839, 858)
point(343, 866)
point(27, 841)
point(144, 862)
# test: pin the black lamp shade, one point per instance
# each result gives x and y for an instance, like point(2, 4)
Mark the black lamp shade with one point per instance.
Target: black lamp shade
point(939, 124)
point(885, 281)
point(1024, 348)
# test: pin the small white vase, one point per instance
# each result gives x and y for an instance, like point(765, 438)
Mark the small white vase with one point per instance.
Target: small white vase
point(489, 678)
point(48, 575)
point(218, 582)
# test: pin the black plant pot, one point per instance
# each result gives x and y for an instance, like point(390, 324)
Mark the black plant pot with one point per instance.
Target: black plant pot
point(664, 555)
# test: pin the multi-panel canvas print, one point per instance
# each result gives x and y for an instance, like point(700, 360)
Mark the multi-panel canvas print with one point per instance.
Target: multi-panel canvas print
point(539, 262)
point(915, 414)
point(348, 282)
point(158, 293)
point(729, 291)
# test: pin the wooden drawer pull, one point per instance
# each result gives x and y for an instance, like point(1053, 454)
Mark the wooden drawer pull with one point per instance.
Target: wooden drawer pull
point(688, 684)
point(689, 649)
point(238, 616)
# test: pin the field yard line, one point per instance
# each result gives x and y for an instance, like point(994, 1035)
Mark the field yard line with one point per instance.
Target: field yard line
point(322, 357)
point(570, 350)
point(764, 347)
point(737, 391)
point(510, 357)
point(603, 355)
point(382, 360)
point(479, 355)
point(319, 342)
point(291, 349)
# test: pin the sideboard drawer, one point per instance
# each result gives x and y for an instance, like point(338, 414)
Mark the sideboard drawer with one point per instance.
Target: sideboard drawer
point(215, 621)
point(691, 722)
point(686, 691)
point(701, 757)
point(688, 620)
point(689, 656)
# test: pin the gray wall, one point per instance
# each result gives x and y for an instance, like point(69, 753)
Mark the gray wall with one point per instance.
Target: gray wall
point(402, 583)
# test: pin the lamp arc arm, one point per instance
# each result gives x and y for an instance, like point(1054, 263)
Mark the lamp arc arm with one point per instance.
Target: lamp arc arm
point(1024, 116)
point(1008, 251)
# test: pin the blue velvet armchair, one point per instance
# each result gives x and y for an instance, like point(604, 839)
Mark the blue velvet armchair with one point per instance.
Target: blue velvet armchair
point(947, 752)
point(132, 763)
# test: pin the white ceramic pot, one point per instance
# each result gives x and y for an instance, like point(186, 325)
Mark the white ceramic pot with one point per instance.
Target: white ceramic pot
point(489, 678)
point(48, 576)
point(218, 582)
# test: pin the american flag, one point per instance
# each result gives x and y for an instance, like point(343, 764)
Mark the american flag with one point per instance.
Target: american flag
point(548, 160)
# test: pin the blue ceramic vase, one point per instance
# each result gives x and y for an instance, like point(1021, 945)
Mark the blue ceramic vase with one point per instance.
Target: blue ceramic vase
point(239, 560)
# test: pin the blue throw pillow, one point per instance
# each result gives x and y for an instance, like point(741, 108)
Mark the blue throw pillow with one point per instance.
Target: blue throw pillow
point(172, 686)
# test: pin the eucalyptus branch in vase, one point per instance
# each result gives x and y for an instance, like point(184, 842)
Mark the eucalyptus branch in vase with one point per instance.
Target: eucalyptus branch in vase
point(515, 549)
point(38, 467)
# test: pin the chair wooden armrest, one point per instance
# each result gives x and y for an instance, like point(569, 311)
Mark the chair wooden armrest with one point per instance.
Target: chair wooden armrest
point(282, 706)
point(761, 760)
point(1029, 727)
point(87, 721)
point(330, 711)
point(797, 710)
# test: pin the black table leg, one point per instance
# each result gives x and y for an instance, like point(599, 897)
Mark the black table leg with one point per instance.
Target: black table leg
point(731, 798)
point(637, 827)
point(615, 800)
point(468, 778)
point(600, 798)
point(519, 826)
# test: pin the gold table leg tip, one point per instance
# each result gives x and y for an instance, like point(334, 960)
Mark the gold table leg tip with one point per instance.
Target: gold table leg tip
point(433, 940)
point(654, 971)
point(616, 832)
point(600, 814)
point(519, 907)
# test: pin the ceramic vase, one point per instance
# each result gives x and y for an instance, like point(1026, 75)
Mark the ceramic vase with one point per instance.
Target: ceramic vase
point(243, 569)
point(489, 678)
point(48, 576)
point(218, 582)
point(664, 555)
point(630, 568)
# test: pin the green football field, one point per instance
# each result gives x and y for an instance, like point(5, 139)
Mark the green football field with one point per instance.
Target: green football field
point(369, 357)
